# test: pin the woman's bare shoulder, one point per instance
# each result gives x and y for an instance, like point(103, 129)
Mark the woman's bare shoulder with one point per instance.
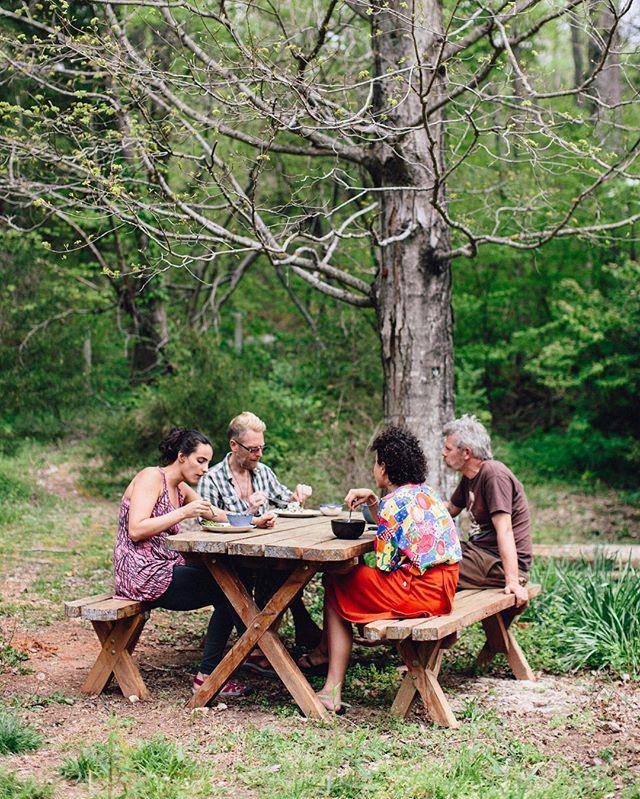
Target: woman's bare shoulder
point(148, 478)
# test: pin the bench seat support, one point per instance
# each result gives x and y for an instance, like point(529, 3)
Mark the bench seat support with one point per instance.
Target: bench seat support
point(118, 639)
point(423, 659)
point(421, 643)
point(118, 623)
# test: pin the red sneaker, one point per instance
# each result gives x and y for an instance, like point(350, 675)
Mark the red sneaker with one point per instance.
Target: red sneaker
point(229, 690)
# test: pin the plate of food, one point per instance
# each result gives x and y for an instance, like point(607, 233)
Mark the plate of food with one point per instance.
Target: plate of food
point(294, 510)
point(225, 527)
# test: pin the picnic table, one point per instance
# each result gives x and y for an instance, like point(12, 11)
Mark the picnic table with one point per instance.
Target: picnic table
point(300, 548)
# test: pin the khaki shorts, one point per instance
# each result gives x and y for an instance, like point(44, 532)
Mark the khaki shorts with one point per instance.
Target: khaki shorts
point(480, 568)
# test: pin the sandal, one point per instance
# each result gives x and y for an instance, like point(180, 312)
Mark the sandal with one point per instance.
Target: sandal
point(306, 665)
point(258, 664)
point(229, 690)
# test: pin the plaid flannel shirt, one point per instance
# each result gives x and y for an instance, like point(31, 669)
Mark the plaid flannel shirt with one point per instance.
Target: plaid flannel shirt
point(218, 487)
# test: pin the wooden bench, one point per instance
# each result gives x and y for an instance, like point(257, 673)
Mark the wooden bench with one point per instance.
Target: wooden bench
point(118, 623)
point(421, 643)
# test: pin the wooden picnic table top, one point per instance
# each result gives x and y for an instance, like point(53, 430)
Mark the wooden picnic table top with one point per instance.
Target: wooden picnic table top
point(307, 539)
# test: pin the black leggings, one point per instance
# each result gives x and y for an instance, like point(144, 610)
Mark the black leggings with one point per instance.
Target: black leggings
point(193, 587)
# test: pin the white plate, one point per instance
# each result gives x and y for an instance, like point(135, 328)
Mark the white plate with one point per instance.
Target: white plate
point(297, 514)
point(228, 528)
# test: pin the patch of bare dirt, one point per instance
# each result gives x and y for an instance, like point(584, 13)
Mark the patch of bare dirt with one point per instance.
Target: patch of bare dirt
point(607, 519)
point(588, 720)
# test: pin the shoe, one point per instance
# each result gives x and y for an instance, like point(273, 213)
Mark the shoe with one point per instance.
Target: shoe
point(306, 665)
point(230, 690)
point(258, 664)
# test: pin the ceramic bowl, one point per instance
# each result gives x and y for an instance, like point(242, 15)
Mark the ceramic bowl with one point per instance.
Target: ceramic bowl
point(330, 509)
point(367, 515)
point(343, 528)
point(240, 519)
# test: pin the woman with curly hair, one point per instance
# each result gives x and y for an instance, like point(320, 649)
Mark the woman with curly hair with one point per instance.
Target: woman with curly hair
point(417, 554)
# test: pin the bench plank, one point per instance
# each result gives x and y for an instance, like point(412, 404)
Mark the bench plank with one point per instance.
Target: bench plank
point(108, 608)
point(489, 602)
point(73, 608)
point(397, 629)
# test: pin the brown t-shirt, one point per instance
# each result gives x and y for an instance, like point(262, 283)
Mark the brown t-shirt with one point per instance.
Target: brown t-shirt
point(495, 489)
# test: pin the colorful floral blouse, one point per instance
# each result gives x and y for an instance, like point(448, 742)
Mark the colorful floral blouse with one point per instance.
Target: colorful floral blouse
point(415, 531)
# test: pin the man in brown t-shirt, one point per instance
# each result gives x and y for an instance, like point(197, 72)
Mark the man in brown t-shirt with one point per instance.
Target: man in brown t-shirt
point(499, 549)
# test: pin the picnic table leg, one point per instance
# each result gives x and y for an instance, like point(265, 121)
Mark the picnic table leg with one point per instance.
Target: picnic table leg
point(118, 639)
point(501, 639)
point(423, 663)
point(259, 624)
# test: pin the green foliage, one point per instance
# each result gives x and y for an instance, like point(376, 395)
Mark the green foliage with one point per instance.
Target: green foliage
point(588, 617)
point(363, 761)
point(602, 619)
point(37, 700)
point(12, 659)
point(579, 453)
point(12, 787)
point(16, 737)
point(93, 763)
point(318, 409)
point(14, 490)
point(589, 356)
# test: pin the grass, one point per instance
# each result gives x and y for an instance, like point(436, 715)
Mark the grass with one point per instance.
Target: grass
point(481, 761)
point(67, 541)
point(153, 769)
point(16, 737)
point(405, 761)
point(12, 787)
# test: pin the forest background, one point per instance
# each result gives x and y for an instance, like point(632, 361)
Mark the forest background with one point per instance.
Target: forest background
point(335, 214)
point(108, 329)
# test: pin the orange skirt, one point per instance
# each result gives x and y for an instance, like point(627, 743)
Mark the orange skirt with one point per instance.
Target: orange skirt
point(365, 593)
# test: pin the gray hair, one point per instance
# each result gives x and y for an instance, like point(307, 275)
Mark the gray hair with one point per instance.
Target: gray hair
point(243, 422)
point(468, 432)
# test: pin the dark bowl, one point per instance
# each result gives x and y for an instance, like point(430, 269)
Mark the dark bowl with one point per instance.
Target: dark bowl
point(343, 528)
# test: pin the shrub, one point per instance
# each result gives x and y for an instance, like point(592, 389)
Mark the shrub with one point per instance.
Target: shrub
point(602, 620)
point(578, 453)
point(588, 616)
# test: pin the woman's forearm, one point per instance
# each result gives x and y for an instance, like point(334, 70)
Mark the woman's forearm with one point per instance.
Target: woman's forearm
point(147, 528)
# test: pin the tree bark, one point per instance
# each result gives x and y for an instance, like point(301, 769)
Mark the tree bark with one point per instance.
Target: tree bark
point(413, 286)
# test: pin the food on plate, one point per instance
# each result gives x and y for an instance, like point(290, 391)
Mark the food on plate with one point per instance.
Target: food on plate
point(213, 525)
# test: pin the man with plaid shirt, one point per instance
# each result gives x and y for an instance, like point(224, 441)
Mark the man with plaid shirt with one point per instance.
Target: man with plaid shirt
point(240, 483)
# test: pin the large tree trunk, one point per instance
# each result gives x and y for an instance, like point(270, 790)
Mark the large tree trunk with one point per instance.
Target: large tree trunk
point(413, 288)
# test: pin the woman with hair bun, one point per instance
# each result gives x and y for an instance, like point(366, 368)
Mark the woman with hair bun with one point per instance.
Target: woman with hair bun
point(145, 569)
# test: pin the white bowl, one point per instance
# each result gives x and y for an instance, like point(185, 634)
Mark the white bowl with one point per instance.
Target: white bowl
point(330, 509)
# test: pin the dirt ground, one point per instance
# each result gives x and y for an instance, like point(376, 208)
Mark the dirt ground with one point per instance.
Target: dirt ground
point(587, 719)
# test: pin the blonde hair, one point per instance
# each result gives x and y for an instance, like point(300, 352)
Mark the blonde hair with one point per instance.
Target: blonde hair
point(245, 421)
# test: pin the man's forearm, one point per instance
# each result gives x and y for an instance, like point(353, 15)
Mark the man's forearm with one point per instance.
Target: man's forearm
point(506, 547)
